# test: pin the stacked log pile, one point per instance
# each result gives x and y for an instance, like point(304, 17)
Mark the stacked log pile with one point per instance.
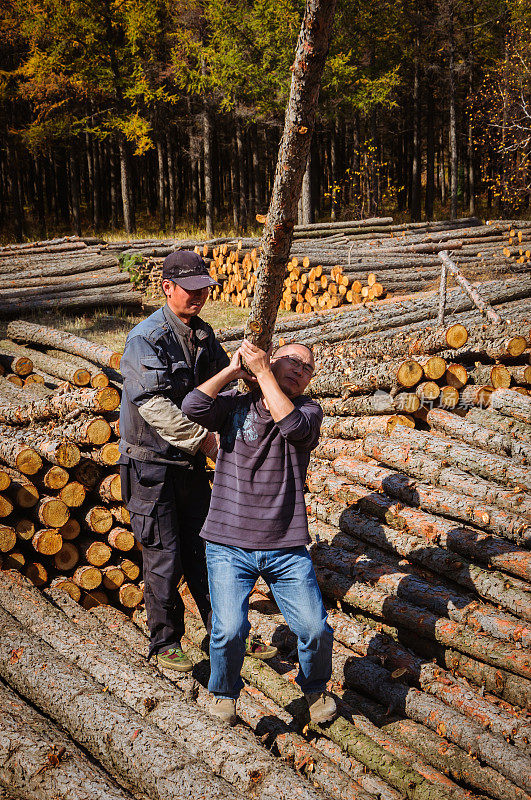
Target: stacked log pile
point(420, 525)
point(64, 273)
point(351, 263)
point(62, 519)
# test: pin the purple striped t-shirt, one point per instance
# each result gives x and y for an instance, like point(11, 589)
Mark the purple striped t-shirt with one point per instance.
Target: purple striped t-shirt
point(258, 492)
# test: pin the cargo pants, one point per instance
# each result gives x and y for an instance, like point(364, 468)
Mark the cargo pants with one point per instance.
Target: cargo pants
point(168, 506)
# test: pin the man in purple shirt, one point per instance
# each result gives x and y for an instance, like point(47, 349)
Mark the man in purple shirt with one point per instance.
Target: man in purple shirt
point(257, 523)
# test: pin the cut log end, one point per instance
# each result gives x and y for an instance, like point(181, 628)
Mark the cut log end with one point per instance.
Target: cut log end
point(108, 398)
point(87, 578)
point(28, 461)
point(456, 336)
point(8, 538)
point(98, 431)
point(409, 373)
point(68, 586)
point(73, 494)
point(121, 539)
point(70, 530)
point(130, 595)
point(55, 478)
point(67, 557)
point(47, 542)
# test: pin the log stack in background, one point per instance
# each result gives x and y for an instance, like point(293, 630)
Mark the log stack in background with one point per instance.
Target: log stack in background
point(335, 264)
point(66, 273)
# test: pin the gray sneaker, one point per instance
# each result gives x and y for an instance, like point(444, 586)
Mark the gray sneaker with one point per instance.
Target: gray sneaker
point(224, 708)
point(322, 707)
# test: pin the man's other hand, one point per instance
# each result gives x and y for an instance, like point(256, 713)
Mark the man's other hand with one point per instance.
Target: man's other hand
point(209, 446)
point(257, 360)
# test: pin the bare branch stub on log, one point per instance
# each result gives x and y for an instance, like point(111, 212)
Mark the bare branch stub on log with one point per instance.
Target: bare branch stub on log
point(310, 57)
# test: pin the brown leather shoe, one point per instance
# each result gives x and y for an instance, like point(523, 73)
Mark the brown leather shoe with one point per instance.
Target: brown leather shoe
point(322, 707)
point(224, 708)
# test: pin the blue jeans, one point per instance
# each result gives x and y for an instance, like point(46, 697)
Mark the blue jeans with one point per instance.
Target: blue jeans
point(232, 573)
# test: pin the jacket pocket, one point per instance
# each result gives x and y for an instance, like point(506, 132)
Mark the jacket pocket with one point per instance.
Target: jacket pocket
point(153, 374)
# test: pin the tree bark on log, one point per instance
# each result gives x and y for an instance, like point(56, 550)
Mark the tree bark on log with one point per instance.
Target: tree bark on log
point(420, 591)
point(155, 703)
point(500, 423)
point(493, 551)
point(98, 379)
point(332, 448)
point(24, 459)
point(81, 298)
point(430, 711)
point(479, 436)
point(359, 427)
point(20, 365)
point(38, 761)
point(454, 761)
point(426, 467)
point(271, 721)
point(511, 594)
point(404, 343)
point(449, 633)
point(41, 334)
point(512, 404)
point(56, 451)
point(55, 367)
point(131, 748)
point(338, 377)
point(472, 293)
point(84, 430)
point(310, 56)
point(60, 404)
point(357, 737)
point(405, 402)
point(491, 467)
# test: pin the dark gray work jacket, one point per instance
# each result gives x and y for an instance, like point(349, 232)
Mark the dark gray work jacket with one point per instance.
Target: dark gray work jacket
point(157, 360)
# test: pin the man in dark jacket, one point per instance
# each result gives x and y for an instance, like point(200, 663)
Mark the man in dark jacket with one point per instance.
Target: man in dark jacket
point(164, 482)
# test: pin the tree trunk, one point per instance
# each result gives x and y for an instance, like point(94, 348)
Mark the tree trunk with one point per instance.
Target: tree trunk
point(172, 187)
point(416, 168)
point(452, 121)
point(312, 49)
point(160, 184)
point(242, 174)
point(127, 193)
point(430, 154)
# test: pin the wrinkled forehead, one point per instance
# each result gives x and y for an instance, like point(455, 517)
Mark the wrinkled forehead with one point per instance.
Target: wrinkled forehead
point(299, 350)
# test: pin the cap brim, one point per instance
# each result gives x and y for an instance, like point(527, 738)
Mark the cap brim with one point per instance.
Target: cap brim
point(195, 282)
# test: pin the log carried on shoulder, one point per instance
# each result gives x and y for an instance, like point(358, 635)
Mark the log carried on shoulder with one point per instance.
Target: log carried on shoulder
point(41, 334)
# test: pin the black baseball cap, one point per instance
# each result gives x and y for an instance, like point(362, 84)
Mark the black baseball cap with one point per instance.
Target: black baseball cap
point(188, 270)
